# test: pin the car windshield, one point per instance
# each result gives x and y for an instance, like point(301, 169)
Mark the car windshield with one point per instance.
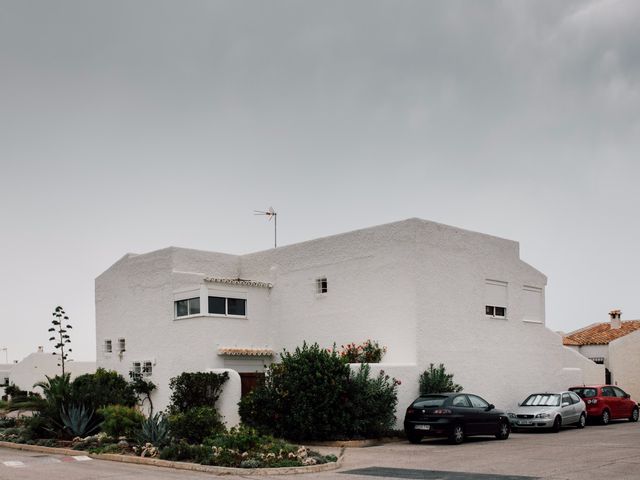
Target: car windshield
point(430, 401)
point(585, 392)
point(542, 400)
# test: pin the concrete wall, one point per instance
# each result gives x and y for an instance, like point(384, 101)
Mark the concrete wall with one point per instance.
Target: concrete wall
point(624, 361)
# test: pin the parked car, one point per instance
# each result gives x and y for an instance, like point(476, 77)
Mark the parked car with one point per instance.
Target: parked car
point(607, 402)
point(454, 416)
point(549, 410)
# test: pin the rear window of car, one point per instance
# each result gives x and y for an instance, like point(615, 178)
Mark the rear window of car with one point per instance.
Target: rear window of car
point(585, 392)
point(430, 401)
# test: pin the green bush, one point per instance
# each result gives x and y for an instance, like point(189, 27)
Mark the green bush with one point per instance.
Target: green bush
point(105, 387)
point(182, 451)
point(121, 421)
point(195, 424)
point(313, 395)
point(371, 404)
point(367, 352)
point(198, 389)
point(437, 380)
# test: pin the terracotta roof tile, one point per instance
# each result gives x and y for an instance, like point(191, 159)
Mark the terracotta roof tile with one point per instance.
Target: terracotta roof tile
point(600, 333)
point(246, 352)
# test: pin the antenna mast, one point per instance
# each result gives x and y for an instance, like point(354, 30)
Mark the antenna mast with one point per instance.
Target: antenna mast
point(271, 214)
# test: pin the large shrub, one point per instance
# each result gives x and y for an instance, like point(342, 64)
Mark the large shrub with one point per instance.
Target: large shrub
point(195, 424)
point(121, 421)
point(313, 395)
point(192, 412)
point(437, 380)
point(195, 389)
point(105, 387)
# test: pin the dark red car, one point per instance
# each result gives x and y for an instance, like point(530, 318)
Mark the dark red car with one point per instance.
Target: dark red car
point(607, 402)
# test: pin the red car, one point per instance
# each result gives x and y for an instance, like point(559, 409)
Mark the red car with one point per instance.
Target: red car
point(607, 402)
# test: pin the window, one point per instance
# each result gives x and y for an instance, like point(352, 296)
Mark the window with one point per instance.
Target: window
point(460, 401)
point(495, 311)
point(189, 306)
point(495, 298)
point(122, 344)
point(321, 285)
point(619, 392)
point(6, 382)
point(574, 398)
point(566, 399)
point(144, 368)
point(107, 348)
point(228, 306)
point(532, 304)
point(477, 402)
point(136, 368)
point(608, 392)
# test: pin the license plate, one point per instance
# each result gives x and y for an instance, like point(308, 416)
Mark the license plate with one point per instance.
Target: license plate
point(525, 423)
point(423, 427)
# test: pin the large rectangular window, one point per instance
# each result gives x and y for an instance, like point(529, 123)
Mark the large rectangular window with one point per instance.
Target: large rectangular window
point(189, 306)
point(227, 306)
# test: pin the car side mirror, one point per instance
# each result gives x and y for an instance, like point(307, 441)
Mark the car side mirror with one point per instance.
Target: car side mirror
point(491, 407)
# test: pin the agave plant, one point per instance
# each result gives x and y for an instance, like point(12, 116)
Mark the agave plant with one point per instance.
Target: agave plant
point(79, 421)
point(155, 430)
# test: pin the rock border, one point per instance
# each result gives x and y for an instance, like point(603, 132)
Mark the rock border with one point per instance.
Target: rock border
point(194, 467)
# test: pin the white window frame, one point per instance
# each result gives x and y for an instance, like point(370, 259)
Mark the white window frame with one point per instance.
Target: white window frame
point(122, 345)
point(136, 367)
point(107, 346)
point(147, 368)
point(321, 289)
point(188, 300)
point(494, 315)
point(226, 297)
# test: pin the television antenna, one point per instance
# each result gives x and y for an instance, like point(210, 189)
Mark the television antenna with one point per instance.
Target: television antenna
point(271, 214)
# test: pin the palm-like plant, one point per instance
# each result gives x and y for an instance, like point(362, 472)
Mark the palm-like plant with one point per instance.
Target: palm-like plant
point(154, 430)
point(56, 390)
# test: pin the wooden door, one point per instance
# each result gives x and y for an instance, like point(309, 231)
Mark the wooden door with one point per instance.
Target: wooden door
point(249, 381)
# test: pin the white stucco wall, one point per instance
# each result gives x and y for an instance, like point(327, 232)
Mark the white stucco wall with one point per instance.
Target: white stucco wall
point(227, 404)
point(35, 367)
point(417, 287)
point(624, 362)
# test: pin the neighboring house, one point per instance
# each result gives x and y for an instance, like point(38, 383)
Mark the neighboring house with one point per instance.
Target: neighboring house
point(614, 344)
point(5, 369)
point(36, 366)
point(426, 291)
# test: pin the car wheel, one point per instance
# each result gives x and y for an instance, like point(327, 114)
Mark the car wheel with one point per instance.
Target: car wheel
point(456, 437)
point(634, 415)
point(413, 438)
point(582, 422)
point(605, 417)
point(557, 423)
point(503, 431)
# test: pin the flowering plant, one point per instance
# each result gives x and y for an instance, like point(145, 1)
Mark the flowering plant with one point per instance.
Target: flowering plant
point(367, 352)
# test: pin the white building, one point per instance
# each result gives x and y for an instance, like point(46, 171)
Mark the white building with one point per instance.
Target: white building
point(430, 293)
point(35, 367)
point(614, 344)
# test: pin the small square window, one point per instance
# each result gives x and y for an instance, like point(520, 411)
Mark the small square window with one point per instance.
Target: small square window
point(147, 368)
point(321, 285)
point(236, 306)
point(108, 347)
point(122, 344)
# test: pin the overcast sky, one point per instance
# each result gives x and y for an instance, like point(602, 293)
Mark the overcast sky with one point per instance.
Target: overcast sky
point(132, 126)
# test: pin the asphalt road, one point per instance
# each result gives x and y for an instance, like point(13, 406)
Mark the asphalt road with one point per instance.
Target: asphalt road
point(597, 452)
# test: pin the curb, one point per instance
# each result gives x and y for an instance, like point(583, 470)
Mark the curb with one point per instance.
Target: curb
point(348, 443)
point(194, 467)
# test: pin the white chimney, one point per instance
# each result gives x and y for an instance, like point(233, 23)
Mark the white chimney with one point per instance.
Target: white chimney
point(40, 349)
point(616, 322)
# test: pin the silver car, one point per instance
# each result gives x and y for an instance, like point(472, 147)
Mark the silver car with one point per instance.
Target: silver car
point(549, 410)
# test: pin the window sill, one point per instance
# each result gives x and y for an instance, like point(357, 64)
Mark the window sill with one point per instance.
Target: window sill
point(539, 322)
point(209, 315)
point(493, 317)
